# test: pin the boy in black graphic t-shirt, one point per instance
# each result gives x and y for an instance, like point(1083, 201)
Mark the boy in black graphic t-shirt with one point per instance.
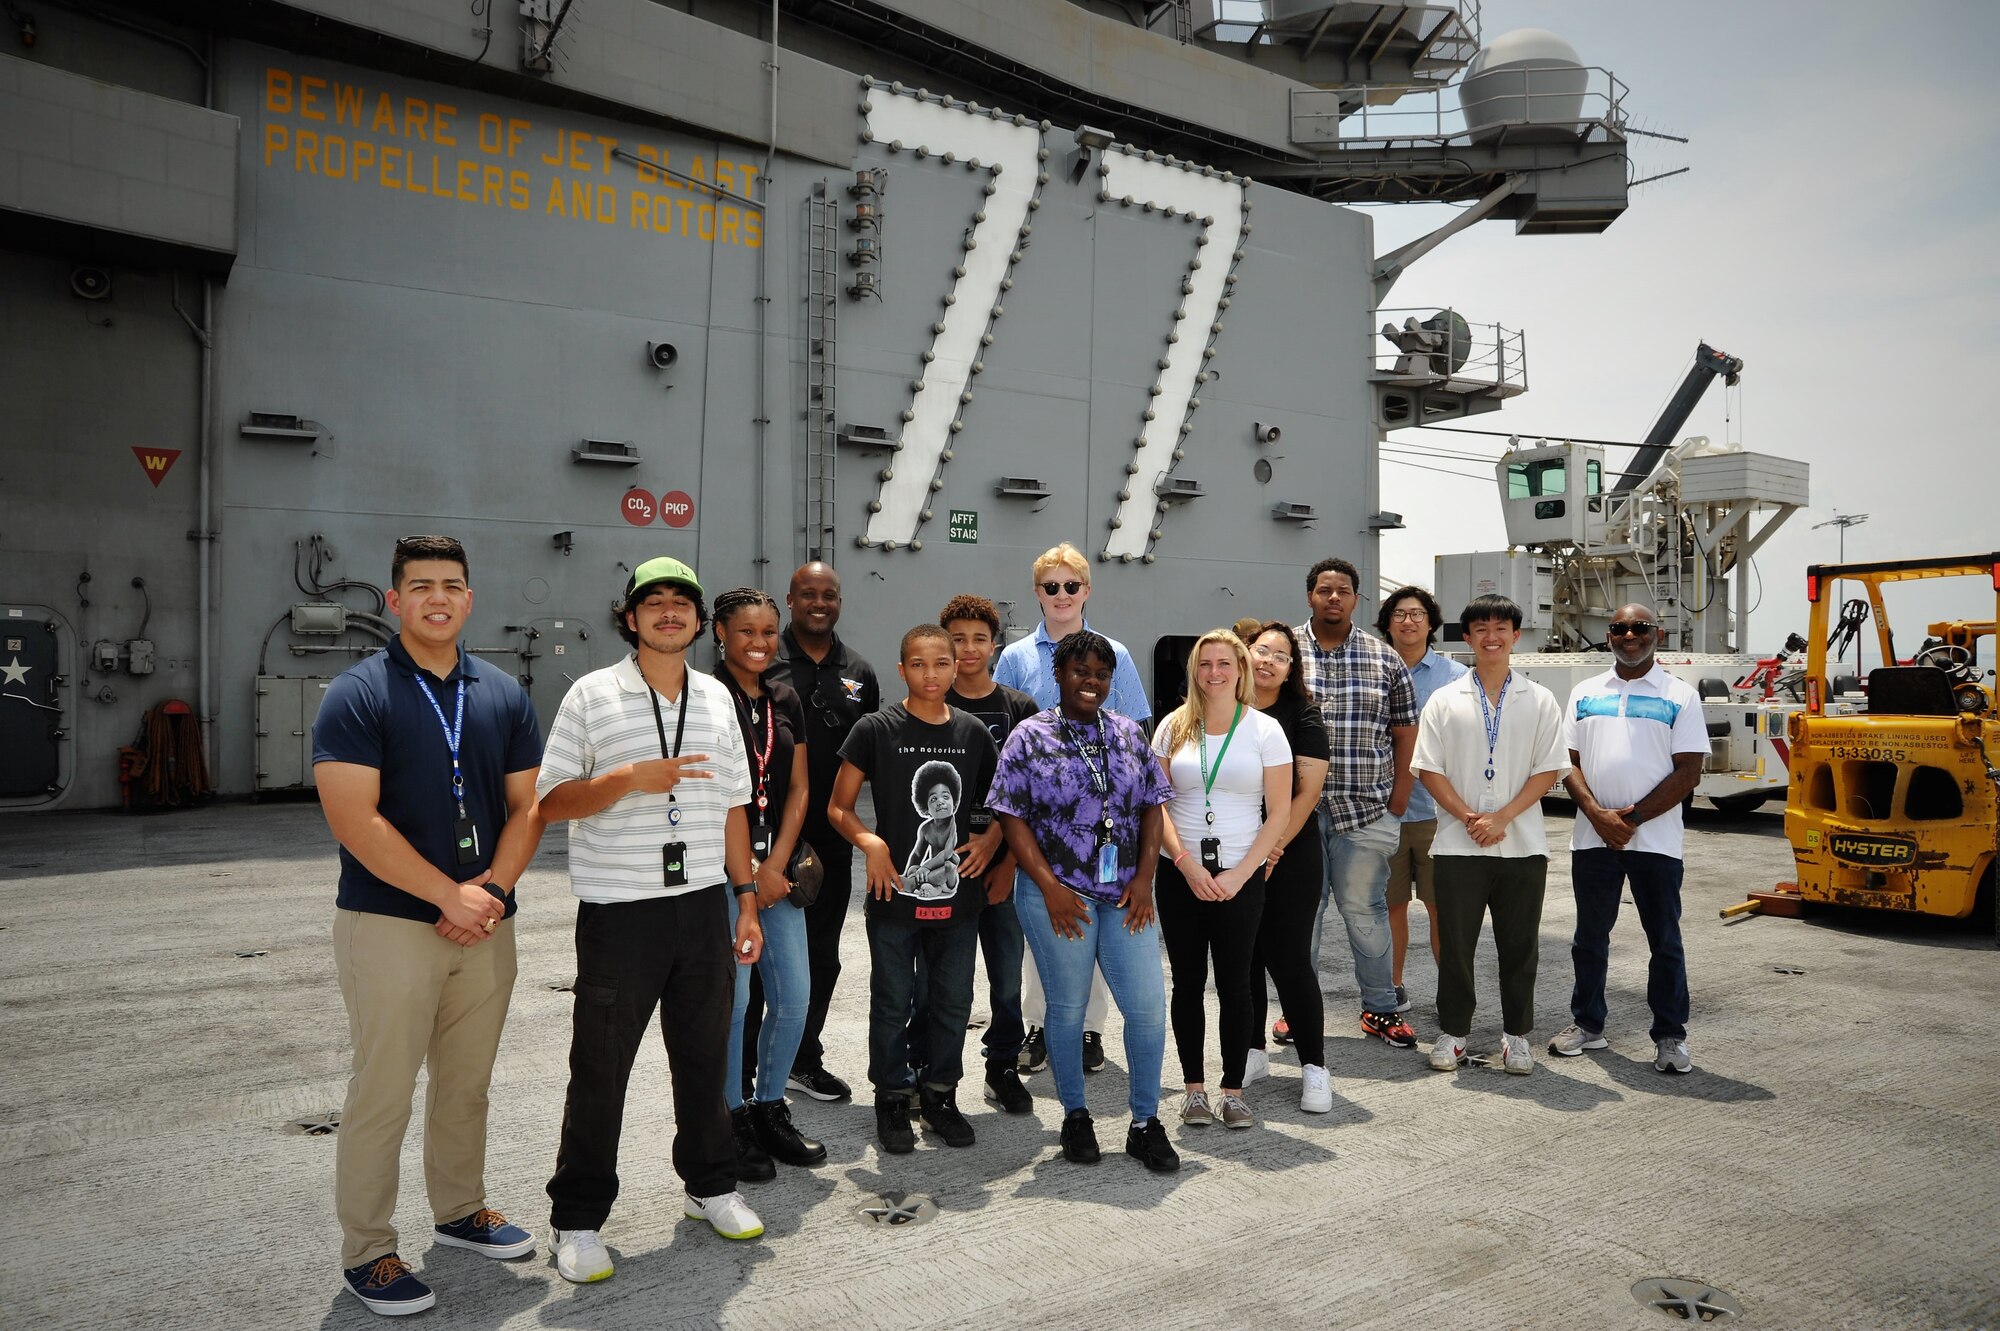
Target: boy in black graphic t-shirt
point(921, 759)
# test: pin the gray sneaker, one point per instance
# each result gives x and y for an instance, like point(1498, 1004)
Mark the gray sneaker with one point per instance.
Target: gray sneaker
point(1195, 1112)
point(1236, 1114)
point(1572, 1040)
point(1672, 1056)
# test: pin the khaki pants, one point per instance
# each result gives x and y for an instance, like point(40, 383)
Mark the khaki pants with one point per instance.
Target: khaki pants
point(413, 998)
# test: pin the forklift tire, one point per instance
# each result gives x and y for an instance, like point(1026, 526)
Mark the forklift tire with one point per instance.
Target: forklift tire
point(1738, 804)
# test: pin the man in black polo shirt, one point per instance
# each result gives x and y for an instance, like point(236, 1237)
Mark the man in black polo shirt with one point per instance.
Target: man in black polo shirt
point(425, 758)
point(838, 688)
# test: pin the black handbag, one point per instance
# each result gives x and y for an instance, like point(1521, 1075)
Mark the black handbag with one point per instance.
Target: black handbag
point(805, 873)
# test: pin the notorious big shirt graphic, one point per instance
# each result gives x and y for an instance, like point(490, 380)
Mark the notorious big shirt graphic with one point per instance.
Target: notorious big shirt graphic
point(924, 780)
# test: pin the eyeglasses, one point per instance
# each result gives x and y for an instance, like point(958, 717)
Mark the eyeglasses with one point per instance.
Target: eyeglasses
point(1637, 628)
point(1263, 653)
point(1069, 588)
point(1409, 616)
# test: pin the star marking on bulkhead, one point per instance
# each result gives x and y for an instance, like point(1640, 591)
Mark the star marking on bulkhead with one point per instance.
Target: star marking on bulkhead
point(15, 673)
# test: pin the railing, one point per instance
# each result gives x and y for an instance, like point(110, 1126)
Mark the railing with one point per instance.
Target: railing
point(1430, 345)
point(1329, 118)
point(1242, 22)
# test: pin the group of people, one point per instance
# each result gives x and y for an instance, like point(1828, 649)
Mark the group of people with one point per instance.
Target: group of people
point(1026, 806)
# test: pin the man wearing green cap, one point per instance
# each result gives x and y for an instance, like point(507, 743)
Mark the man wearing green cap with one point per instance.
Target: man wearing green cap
point(646, 764)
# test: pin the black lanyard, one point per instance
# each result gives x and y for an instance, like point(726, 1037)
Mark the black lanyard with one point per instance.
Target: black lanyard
point(680, 729)
point(1100, 778)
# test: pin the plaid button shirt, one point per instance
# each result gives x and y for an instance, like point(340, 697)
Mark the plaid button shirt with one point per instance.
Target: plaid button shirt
point(1363, 689)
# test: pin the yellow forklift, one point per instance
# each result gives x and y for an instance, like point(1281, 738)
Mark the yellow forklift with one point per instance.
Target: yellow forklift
point(1894, 801)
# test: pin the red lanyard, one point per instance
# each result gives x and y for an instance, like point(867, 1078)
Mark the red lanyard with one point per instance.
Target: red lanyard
point(764, 755)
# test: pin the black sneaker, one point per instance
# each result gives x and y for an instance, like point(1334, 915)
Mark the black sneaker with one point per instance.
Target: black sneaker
point(892, 1122)
point(1147, 1143)
point(752, 1164)
point(388, 1286)
point(939, 1111)
point(1079, 1138)
point(1034, 1052)
point(818, 1083)
point(1004, 1088)
point(1093, 1051)
point(779, 1136)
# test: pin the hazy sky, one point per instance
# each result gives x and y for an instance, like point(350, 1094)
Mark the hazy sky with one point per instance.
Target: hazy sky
point(1836, 231)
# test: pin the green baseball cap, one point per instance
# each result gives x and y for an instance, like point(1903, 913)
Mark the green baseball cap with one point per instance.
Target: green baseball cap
point(656, 571)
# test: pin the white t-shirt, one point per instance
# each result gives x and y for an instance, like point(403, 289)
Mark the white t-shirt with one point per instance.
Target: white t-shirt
point(604, 723)
point(1626, 733)
point(1237, 795)
point(1451, 739)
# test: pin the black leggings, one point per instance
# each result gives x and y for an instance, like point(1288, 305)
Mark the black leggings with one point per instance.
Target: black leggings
point(1193, 930)
point(1284, 945)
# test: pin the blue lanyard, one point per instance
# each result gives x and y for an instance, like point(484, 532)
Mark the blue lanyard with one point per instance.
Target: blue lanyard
point(453, 730)
point(1491, 715)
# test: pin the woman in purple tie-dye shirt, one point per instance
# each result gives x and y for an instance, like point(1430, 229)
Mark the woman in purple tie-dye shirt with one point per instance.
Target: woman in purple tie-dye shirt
point(1079, 796)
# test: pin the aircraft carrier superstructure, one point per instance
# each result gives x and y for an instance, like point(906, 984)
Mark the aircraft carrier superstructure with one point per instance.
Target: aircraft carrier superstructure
point(920, 287)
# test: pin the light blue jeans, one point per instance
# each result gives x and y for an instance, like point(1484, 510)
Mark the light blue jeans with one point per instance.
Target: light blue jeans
point(1131, 966)
point(1357, 882)
point(787, 993)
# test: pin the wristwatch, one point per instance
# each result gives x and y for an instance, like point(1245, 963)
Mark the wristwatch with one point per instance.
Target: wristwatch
point(743, 889)
point(1635, 817)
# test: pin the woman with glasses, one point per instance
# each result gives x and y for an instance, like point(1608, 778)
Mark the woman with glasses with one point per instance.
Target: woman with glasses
point(1296, 867)
point(1227, 763)
point(774, 735)
point(1079, 799)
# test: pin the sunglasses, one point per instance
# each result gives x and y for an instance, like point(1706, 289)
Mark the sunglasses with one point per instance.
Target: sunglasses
point(1070, 588)
point(1637, 628)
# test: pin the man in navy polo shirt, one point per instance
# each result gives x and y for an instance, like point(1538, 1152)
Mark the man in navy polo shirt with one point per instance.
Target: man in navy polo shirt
point(425, 758)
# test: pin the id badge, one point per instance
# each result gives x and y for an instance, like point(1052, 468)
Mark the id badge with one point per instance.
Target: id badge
point(1211, 854)
point(465, 840)
point(1107, 863)
point(673, 864)
point(1489, 799)
point(760, 841)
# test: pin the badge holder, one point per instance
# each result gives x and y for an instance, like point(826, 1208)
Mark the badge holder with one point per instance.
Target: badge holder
point(1107, 854)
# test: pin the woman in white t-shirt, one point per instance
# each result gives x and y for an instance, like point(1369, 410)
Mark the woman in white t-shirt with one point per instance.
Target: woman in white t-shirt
point(1228, 763)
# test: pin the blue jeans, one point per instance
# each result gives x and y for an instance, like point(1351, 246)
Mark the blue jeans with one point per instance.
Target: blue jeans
point(1001, 946)
point(787, 992)
point(1131, 966)
point(947, 955)
point(1357, 882)
point(1597, 875)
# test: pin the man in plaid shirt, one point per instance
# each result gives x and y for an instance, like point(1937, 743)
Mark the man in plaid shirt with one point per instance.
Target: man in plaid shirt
point(1370, 707)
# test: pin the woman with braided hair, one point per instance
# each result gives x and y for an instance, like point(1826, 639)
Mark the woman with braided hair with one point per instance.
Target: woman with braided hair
point(773, 724)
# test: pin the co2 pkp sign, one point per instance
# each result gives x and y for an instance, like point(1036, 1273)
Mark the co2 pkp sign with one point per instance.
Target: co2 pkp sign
point(638, 507)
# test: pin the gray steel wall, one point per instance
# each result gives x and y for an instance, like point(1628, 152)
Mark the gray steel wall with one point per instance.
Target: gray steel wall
point(455, 350)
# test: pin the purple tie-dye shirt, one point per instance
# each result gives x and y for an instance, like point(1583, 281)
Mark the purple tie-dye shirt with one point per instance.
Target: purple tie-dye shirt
point(1044, 780)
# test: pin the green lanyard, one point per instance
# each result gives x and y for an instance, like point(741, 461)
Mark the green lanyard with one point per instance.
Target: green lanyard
point(1208, 773)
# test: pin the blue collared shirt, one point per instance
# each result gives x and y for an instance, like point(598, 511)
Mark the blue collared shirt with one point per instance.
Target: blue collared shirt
point(1428, 675)
point(1030, 666)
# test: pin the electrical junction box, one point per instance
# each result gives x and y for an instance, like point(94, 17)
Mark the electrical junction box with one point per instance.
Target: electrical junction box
point(286, 708)
point(104, 655)
point(319, 617)
point(139, 654)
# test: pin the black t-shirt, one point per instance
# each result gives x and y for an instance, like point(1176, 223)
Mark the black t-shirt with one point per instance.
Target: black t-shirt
point(925, 780)
point(999, 711)
point(775, 720)
point(834, 694)
point(1304, 727)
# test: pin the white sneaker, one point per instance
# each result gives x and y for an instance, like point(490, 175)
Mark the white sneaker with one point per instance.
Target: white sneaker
point(581, 1256)
point(1672, 1056)
point(1258, 1064)
point(1317, 1097)
point(729, 1215)
point(1448, 1054)
point(1515, 1056)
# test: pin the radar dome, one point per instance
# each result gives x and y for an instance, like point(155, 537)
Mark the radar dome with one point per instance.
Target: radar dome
point(1528, 77)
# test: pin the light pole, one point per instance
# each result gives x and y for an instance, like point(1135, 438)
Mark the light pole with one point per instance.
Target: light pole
point(1844, 521)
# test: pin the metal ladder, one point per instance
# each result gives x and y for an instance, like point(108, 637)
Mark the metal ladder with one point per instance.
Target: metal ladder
point(822, 308)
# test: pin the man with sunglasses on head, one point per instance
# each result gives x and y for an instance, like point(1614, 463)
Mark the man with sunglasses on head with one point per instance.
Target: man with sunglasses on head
point(1062, 588)
point(1637, 740)
point(838, 688)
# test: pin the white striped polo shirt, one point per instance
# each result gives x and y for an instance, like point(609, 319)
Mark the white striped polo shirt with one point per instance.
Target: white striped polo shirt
point(606, 723)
